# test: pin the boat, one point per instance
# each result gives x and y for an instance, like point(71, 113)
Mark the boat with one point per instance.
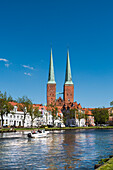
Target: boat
point(26, 132)
point(38, 134)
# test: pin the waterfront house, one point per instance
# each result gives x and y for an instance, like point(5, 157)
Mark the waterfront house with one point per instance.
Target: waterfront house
point(16, 116)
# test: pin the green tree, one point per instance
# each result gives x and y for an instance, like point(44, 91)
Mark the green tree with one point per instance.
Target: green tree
point(34, 113)
point(64, 115)
point(10, 99)
point(68, 114)
point(5, 106)
point(111, 103)
point(86, 117)
point(24, 105)
point(101, 115)
point(72, 113)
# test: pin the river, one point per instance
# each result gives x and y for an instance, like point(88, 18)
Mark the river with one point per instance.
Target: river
point(65, 149)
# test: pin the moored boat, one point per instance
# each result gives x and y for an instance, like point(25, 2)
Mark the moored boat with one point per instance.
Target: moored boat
point(38, 134)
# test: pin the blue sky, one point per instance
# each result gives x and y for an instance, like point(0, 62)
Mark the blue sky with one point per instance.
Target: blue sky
point(28, 30)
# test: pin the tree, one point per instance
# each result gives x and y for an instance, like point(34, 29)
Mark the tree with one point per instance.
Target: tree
point(64, 115)
point(86, 117)
point(5, 106)
point(24, 105)
point(34, 113)
point(111, 103)
point(100, 115)
point(72, 113)
point(10, 99)
point(54, 111)
point(68, 114)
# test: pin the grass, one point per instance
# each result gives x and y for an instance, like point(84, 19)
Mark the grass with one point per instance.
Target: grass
point(71, 128)
point(103, 161)
point(56, 128)
point(17, 129)
point(107, 166)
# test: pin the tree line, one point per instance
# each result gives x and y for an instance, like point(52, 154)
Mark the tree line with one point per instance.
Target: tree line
point(101, 115)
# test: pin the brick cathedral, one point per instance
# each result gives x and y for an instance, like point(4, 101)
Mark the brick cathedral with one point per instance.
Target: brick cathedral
point(68, 92)
point(68, 88)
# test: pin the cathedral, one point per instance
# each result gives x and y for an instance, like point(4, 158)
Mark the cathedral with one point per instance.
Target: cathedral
point(67, 102)
point(68, 88)
point(68, 92)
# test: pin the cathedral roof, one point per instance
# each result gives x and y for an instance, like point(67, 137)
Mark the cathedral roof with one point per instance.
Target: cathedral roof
point(68, 77)
point(51, 78)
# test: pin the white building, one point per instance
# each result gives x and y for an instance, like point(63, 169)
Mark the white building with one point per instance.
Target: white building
point(15, 118)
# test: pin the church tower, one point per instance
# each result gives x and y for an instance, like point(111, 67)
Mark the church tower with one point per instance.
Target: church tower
point(51, 84)
point(68, 85)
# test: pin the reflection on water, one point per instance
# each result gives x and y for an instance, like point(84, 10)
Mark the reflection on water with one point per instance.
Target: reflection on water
point(70, 149)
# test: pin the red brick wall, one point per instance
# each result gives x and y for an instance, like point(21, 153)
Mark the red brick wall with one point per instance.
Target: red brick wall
point(59, 102)
point(68, 93)
point(51, 93)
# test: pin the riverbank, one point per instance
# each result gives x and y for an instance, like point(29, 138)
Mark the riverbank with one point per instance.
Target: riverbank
point(108, 165)
point(76, 128)
point(2, 130)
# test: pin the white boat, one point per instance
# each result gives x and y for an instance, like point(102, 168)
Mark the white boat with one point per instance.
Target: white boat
point(26, 132)
point(38, 134)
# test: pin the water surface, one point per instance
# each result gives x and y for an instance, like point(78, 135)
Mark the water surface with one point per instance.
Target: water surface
point(70, 149)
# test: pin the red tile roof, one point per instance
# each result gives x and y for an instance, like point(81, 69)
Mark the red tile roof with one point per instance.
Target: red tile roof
point(13, 103)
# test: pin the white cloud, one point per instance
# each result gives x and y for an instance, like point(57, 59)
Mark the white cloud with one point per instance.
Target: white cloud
point(28, 74)
point(6, 61)
point(3, 59)
point(28, 67)
point(7, 65)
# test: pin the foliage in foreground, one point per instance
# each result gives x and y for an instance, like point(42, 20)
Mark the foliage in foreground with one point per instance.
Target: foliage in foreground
point(102, 161)
point(5, 106)
point(108, 165)
point(24, 104)
point(101, 115)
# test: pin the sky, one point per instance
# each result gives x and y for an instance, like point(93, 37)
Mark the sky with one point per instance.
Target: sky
point(30, 28)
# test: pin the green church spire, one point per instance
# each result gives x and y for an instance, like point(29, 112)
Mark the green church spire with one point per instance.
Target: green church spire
point(51, 78)
point(68, 78)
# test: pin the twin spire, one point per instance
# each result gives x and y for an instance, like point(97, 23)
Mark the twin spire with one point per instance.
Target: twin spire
point(68, 78)
point(51, 78)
